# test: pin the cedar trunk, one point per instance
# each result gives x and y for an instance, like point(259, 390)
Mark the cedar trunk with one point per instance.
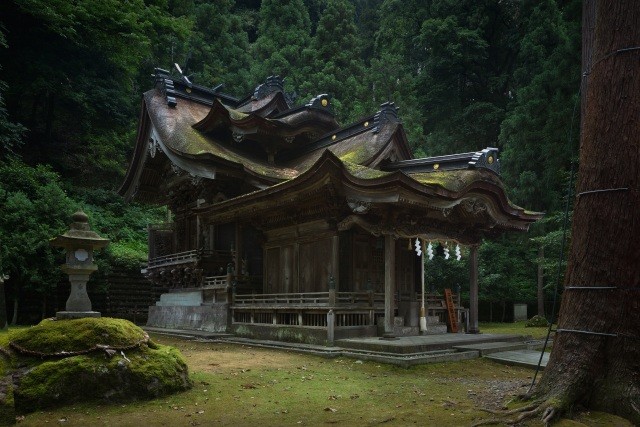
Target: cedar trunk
point(602, 372)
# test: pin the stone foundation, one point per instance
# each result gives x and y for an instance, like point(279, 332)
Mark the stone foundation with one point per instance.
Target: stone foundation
point(209, 317)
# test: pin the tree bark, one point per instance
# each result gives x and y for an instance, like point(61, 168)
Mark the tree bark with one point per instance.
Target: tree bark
point(596, 356)
point(14, 320)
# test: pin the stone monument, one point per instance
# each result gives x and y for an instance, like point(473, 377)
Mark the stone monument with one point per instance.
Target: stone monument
point(79, 242)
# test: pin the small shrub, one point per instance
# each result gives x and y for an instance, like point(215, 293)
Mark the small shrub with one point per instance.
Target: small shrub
point(537, 322)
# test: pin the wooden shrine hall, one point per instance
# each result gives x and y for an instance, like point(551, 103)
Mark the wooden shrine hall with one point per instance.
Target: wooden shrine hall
point(282, 224)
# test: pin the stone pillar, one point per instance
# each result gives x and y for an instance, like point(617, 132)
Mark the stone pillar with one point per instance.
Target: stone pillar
point(331, 327)
point(78, 299)
point(389, 285)
point(473, 290)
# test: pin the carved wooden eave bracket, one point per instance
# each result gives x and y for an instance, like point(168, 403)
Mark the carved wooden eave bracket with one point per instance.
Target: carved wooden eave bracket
point(411, 230)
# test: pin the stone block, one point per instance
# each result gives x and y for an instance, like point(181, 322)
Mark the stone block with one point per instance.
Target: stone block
point(182, 299)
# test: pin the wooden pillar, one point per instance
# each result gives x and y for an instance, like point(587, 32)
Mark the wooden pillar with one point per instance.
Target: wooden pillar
point(239, 249)
point(389, 285)
point(335, 260)
point(199, 227)
point(473, 291)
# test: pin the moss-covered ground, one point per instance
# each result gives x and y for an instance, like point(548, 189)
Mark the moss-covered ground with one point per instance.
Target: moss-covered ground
point(243, 386)
point(513, 328)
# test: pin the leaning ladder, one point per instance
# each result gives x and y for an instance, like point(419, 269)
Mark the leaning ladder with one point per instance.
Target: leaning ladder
point(453, 320)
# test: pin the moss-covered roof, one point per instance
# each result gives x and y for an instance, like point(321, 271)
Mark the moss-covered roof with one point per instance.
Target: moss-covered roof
point(456, 180)
point(363, 172)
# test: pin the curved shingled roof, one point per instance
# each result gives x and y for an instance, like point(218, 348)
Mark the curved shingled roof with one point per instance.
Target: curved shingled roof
point(211, 135)
point(477, 195)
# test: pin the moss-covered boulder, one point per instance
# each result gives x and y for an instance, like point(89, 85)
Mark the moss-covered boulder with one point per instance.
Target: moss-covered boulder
point(64, 361)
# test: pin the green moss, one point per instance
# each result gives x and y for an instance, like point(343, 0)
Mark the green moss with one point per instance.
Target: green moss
point(7, 408)
point(356, 156)
point(144, 373)
point(363, 171)
point(53, 336)
point(193, 142)
point(454, 180)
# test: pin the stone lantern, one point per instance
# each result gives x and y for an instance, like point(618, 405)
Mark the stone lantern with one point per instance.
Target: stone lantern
point(79, 242)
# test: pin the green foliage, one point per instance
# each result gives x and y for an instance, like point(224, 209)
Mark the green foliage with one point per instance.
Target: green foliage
point(507, 271)
point(336, 64)
point(33, 209)
point(71, 69)
point(540, 115)
point(10, 133)
point(449, 273)
point(284, 31)
point(464, 49)
point(217, 50)
point(125, 224)
point(537, 322)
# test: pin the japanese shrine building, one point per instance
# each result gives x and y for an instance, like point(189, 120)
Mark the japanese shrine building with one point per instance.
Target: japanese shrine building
point(282, 224)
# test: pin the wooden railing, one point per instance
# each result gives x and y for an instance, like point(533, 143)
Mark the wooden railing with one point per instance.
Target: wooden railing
point(173, 259)
point(215, 282)
point(300, 299)
point(185, 257)
point(311, 299)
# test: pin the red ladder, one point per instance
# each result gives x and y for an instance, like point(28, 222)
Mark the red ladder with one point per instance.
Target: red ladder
point(453, 320)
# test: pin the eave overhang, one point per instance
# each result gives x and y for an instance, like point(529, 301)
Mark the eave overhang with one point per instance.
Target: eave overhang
point(365, 190)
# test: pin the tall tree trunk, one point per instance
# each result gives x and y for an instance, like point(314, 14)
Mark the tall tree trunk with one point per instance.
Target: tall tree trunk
point(596, 355)
point(540, 282)
point(14, 320)
point(3, 303)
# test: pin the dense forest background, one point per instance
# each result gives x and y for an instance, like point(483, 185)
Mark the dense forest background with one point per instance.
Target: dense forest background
point(466, 74)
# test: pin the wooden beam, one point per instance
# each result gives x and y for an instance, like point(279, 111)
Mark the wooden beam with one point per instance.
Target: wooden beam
point(473, 291)
point(239, 249)
point(335, 260)
point(389, 285)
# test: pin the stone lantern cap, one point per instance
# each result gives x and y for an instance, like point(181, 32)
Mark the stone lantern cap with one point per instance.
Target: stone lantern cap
point(79, 234)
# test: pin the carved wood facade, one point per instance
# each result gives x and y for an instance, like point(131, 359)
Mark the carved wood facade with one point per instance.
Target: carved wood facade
point(282, 200)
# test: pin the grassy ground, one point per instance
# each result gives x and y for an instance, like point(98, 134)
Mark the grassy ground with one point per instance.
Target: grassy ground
point(512, 328)
point(241, 386)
